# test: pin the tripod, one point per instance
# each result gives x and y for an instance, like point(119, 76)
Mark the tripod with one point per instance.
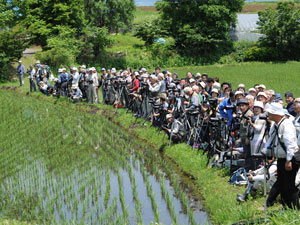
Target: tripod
point(119, 95)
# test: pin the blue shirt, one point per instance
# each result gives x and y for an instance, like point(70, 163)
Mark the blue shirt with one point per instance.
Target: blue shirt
point(21, 69)
point(228, 113)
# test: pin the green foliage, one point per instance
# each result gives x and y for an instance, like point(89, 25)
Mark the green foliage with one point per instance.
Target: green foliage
point(116, 15)
point(12, 43)
point(43, 17)
point(95, 39)
point(62, 49)
point(150, 30)
point(281, 28)
point(200, 28)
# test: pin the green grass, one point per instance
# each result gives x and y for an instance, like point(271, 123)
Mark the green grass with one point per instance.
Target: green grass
point(281, 77)
point(144, 16)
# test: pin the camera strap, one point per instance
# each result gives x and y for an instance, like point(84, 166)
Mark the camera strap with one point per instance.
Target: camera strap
point(281, 143)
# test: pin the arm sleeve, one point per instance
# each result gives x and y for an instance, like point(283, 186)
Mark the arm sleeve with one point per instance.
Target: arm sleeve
point(221, 109)
point(136, 85)
point(290, 140)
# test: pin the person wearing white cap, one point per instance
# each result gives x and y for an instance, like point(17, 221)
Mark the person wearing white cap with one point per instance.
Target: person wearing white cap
point(21, 71)
point(193, 104)
point(91, 90)
point(262, 97)
point(261, 88)
point(214, 93)
point(241, 88)
point(162, 83)
point(258, 127)
point(239, 95)
point(76, 77)
point(175, 129)
point(283, 142)
point(252, 92)
point(154, 86)
point(31, 72)
point(76, 94)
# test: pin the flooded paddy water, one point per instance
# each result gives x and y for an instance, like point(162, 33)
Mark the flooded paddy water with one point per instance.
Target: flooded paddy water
point(61, 166)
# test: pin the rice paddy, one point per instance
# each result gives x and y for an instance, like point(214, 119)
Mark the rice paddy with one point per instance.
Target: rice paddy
point(62, 165)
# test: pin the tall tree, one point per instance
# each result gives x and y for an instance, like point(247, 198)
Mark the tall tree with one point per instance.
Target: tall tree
point(281, 29)
point(43, 17)
point(116, 15)
point(200, 27)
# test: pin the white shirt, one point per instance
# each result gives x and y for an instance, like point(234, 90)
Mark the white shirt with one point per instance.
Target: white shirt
point(287, 135)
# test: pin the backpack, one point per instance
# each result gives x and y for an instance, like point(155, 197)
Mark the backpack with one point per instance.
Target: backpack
point(239, 177)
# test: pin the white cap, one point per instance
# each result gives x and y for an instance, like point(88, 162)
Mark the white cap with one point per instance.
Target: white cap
point(262, 94)
point(161, 75)
point(262, 86)
point(272, 92)
point(144, 70)
point(60, 70)
point(258, 104)
point(63, 69)
point(241, 86)
point(238, 93)
point(136, 73)
point(215, 90)
point(20, 61)
point(153, 77)
point(38, 62)
point(251, 89)
point(198, 74)
point(55, 79)
point(74, 68)
point(192, 80)
point(93, 69)
point(202, 84)
point(187, 89)
point(74, 86)
point(217, 86)
point(113, 70)
point(169, 116)
point(83, 66)
point(275, 108)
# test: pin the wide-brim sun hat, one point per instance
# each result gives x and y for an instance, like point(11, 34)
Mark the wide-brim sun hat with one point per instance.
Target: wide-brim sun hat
point(275, 108)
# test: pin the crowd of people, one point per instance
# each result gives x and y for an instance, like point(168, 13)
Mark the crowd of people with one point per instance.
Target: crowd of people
point(235, 126)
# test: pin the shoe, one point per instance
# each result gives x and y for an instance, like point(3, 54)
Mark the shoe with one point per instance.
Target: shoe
point(242, 198)
point(239, 195)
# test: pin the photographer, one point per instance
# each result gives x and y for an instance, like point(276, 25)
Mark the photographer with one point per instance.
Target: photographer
point(154, 86)
point(256, 179)
point(243, 106)
point(225, 111)
point(76, 95)
point(282, 144)
point(175, 129)
point(258, 129)
point(31, 72)
point(91, 90)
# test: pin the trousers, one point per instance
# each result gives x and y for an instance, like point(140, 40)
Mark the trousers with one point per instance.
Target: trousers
point(285, 186)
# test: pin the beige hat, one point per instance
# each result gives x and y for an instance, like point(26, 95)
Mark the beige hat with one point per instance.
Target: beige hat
point(187, 90)
point(241, 86)
point(238, 93)
point(198, 74)
point(252, 89)
point(217, 86)
point(192, 80)
point(275, 108)
point(262, 94)
point(202, 84)
point(161, 75)
point(262, 86)
point(214, 90)
point(153, 77)
point(169, 116)
point(259, 104)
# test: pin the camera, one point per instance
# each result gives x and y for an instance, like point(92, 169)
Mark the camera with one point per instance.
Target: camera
point(213, 102)
point(263, 117)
